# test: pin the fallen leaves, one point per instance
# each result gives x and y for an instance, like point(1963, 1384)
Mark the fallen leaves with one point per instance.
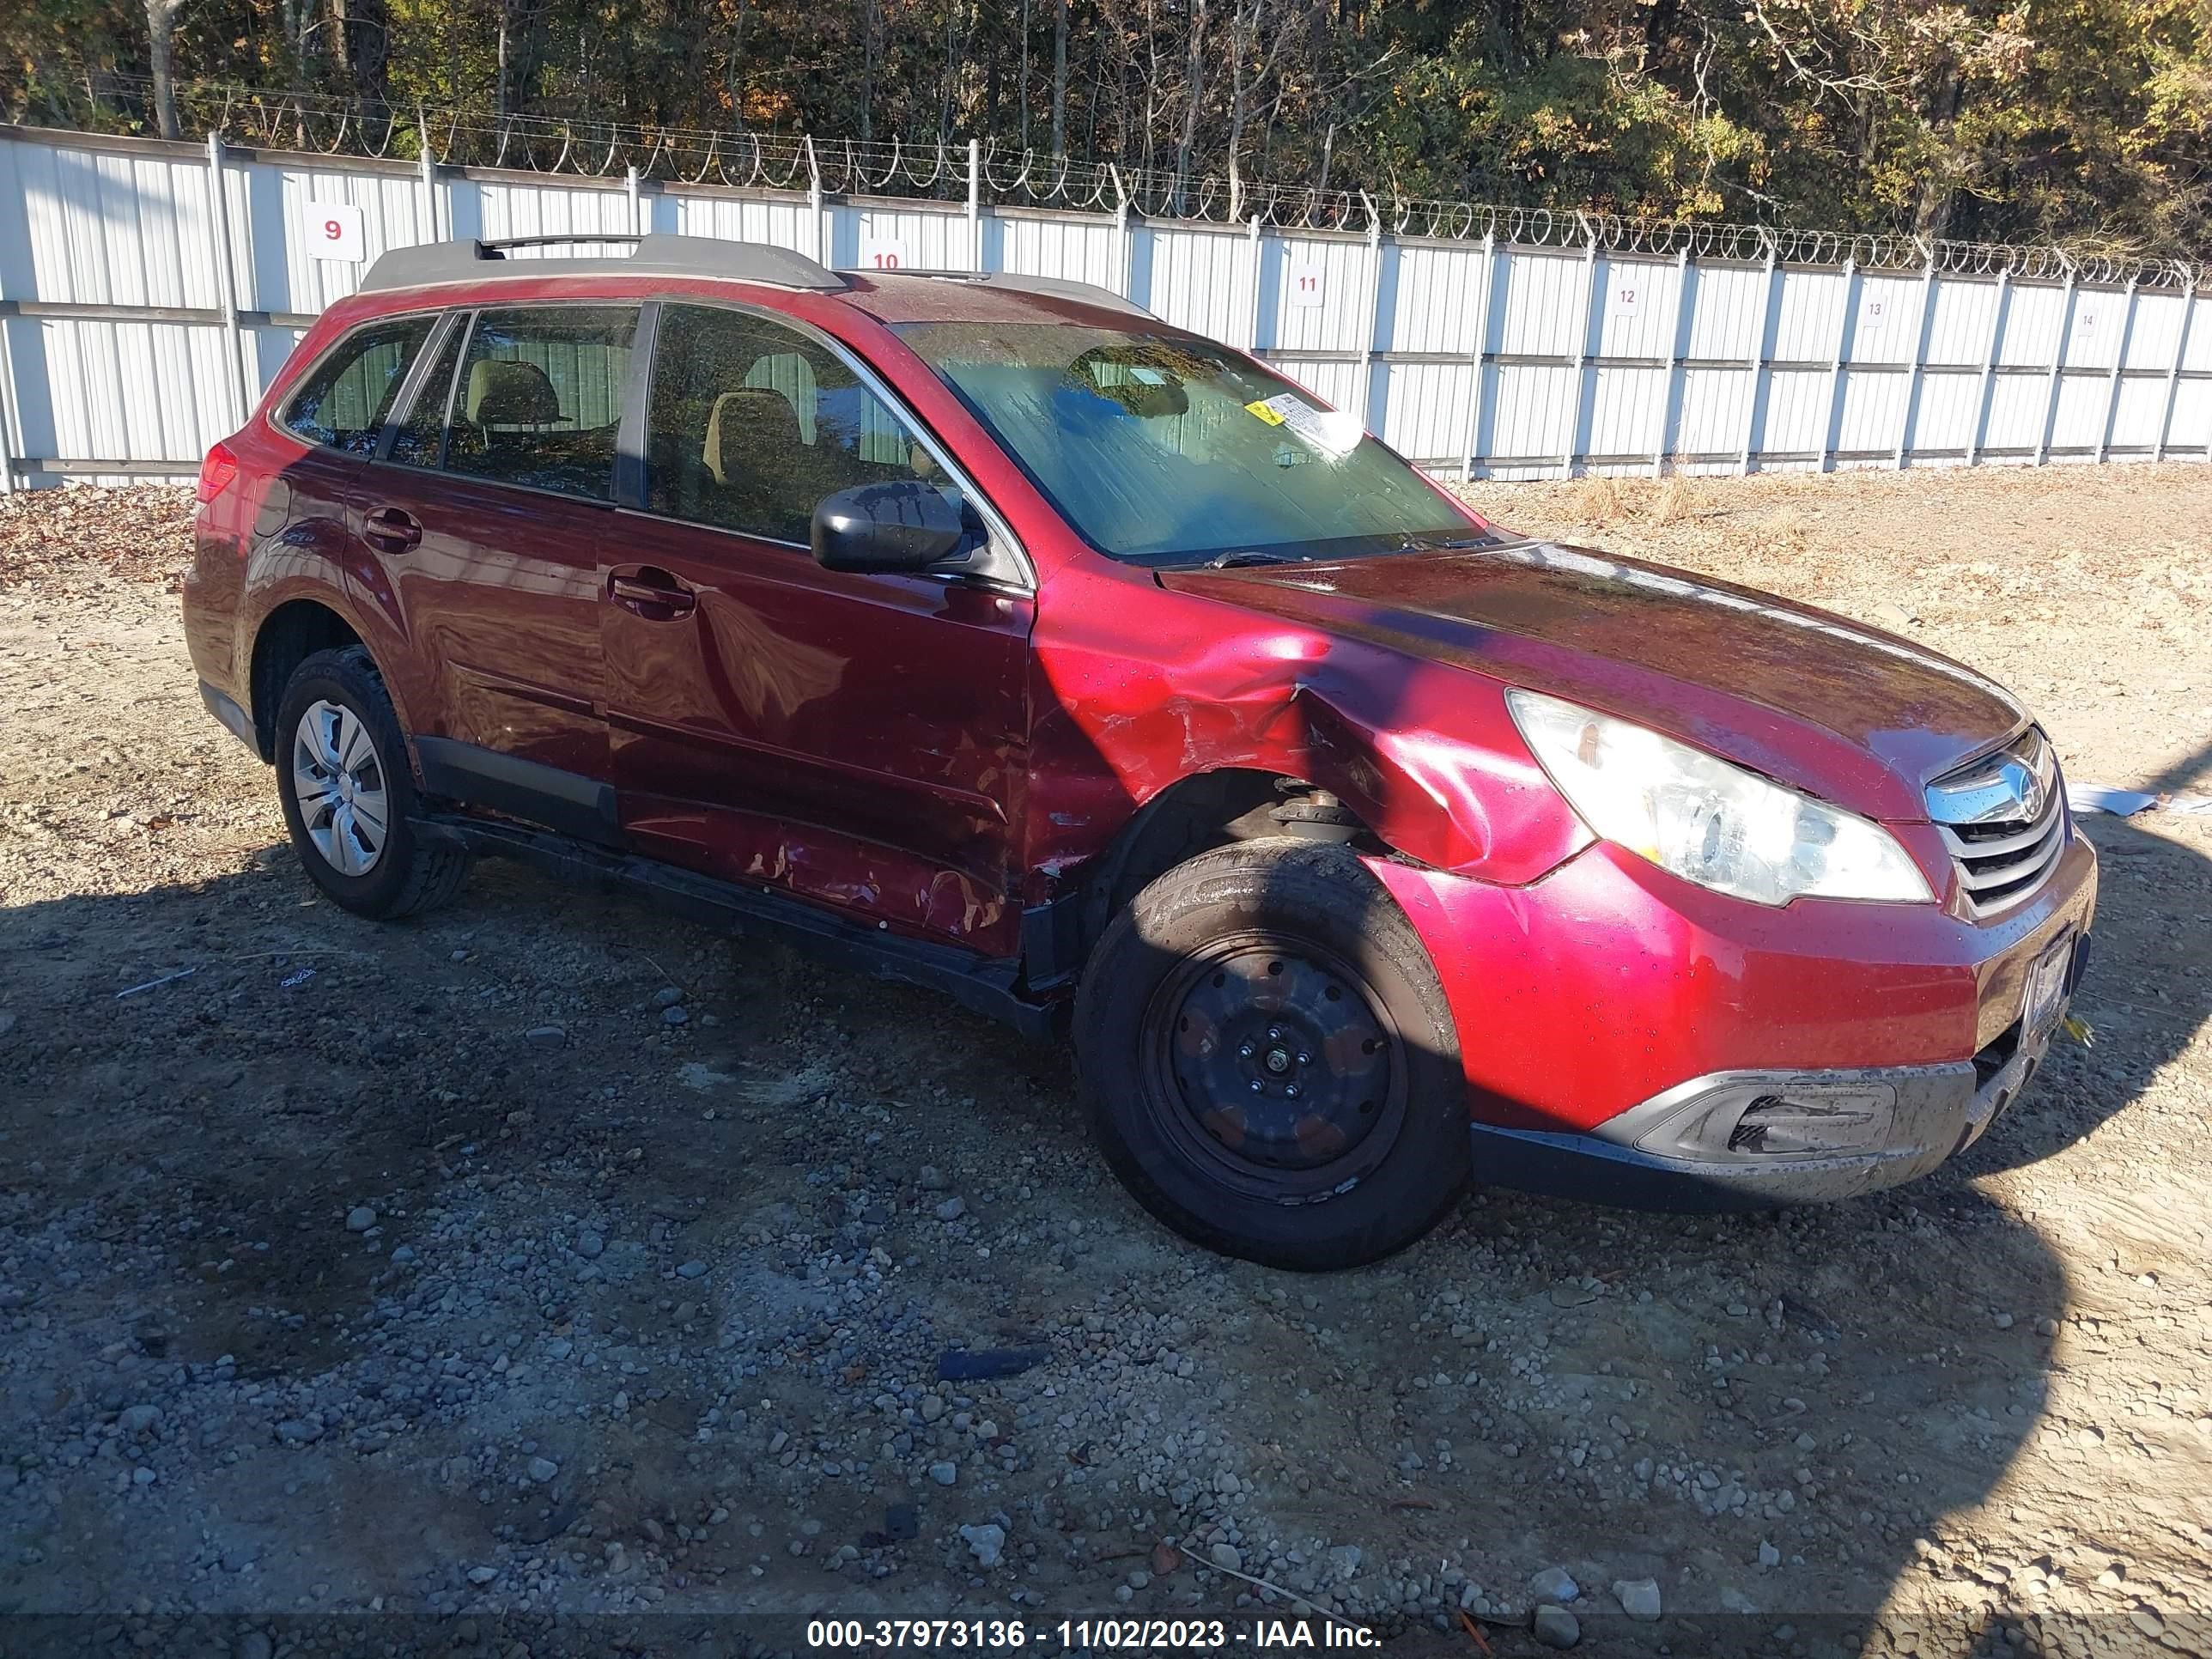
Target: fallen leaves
point(142, 534)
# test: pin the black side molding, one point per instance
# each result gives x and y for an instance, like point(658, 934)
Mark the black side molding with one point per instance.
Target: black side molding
point(986, 985)
point(566, 801)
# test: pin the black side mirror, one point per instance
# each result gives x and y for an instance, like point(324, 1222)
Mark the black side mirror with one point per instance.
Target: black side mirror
point(901, 525)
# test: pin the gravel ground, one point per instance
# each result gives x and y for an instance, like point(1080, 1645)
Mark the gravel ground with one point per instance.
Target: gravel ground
point(546, 1266)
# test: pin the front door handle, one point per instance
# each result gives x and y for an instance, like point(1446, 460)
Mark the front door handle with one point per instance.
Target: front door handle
point(391, 528)
point(652, 595)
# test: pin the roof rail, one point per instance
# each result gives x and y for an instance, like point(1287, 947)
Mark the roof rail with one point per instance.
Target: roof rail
point(653, 256)
point(1058, 288)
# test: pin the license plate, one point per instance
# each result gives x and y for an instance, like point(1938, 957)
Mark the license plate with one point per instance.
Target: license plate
point(2046, 989)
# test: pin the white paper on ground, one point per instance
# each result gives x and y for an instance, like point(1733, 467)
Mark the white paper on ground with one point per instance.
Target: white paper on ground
point(2199, 805)
point(2103, 797)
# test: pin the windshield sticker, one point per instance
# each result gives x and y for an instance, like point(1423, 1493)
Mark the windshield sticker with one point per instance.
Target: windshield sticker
point(1333, 432)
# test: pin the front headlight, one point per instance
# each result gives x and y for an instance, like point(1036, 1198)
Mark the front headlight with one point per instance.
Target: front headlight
point(1706, 820)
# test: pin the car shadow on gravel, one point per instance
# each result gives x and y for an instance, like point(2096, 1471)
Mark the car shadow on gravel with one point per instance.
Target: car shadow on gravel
point(1539, 1383)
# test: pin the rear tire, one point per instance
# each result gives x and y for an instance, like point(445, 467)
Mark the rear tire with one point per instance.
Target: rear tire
point(1269, 1061)
point(348, 796)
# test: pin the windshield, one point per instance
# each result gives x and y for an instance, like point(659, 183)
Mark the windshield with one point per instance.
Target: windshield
point(1163, 449)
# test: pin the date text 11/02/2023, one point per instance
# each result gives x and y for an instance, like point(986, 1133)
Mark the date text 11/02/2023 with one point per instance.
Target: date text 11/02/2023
point(1085, 1635)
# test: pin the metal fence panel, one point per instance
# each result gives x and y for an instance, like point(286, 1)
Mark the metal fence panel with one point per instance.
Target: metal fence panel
point(1728, 315)
point(2198, 357)
point(1189, 276)
point(2031, 328)
point(150, 291)
point(1945, 421)
point(1037, 245)
point(1715, 410)
point(1963, 312)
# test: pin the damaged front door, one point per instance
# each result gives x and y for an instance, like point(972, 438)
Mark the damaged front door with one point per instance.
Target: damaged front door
point(851, 737)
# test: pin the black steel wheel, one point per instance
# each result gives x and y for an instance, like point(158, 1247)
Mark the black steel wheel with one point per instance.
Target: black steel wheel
point(1276, 1062)
point(1269, 1061)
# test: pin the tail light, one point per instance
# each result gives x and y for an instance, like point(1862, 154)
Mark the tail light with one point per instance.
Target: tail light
point(217, 472)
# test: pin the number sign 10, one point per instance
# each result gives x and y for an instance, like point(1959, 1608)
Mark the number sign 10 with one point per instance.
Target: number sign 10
point(883, 253)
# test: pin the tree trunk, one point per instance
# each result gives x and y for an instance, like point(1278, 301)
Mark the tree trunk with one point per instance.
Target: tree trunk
point(1059, 77)
point(736, 77)
point(1193, 94)
point(1025, 74)
point(161, 32)
point(871, 52)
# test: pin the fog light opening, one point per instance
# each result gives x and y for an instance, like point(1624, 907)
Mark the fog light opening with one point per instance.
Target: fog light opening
point(1777, 1117)
point(1805, 1123)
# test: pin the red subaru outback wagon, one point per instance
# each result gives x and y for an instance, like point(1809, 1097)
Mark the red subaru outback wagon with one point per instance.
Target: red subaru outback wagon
point(991, 633)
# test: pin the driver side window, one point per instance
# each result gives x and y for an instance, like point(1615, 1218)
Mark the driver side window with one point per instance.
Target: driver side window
point(750, 424)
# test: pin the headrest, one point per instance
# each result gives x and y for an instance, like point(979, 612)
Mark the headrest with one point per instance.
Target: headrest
point(756, 423)
point(510, 394)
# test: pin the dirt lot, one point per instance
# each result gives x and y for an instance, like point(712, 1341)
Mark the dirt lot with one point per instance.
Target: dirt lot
point(431, 1269)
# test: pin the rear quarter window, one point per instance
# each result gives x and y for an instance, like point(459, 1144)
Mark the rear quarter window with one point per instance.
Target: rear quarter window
point(344, 402)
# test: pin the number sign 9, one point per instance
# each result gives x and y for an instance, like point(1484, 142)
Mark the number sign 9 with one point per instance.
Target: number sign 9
point(333, 230)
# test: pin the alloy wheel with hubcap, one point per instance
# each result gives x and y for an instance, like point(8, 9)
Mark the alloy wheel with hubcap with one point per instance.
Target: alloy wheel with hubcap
point(345, 805)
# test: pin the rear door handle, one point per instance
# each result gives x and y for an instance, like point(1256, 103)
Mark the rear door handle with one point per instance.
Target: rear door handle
point(391, 528)
point(652, 595)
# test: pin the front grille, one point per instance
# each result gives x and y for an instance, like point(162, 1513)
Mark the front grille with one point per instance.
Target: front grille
point(2003, 818)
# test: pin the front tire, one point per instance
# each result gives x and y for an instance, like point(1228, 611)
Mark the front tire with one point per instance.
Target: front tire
point(348, 797)
point(1269, 1061)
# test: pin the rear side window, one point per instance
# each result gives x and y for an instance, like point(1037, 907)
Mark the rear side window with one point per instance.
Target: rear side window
point(750, 424)
point(539, 395)
point(342, 403)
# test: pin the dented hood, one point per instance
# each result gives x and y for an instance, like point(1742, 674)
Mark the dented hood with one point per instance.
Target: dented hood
point(1843, 711)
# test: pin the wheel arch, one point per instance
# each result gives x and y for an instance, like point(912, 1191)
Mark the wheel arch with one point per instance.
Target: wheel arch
point(1196, 813)
point(291, 633)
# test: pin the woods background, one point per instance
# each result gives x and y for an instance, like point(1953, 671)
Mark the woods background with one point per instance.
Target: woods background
point(2087, 122)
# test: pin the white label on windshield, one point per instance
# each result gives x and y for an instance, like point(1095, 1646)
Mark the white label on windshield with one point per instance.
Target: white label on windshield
point(1332, 431)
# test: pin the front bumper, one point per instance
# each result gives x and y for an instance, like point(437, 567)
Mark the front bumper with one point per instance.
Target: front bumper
point(1609, 1001)
point(1933, 1113)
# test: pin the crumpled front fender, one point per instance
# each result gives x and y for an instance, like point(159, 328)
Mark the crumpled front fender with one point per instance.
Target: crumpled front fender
point(1427, 756)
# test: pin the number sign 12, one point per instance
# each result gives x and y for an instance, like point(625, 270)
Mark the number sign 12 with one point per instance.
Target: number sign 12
point(333, 230)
